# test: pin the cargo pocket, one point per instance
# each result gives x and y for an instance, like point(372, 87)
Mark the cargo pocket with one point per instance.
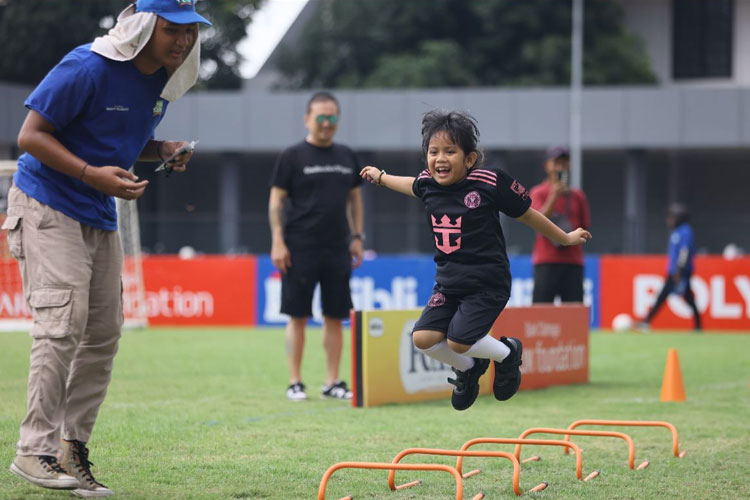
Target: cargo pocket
point(13, 225)
point(51, 310)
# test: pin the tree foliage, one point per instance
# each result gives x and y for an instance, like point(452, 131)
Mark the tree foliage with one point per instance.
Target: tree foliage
point(449, 43)
point(36, 34)
point(221, 61)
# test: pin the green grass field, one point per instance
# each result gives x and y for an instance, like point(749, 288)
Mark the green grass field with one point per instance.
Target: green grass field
point(202, 414)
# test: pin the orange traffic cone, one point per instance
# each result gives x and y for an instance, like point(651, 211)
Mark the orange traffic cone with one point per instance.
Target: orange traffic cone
point(672, 388)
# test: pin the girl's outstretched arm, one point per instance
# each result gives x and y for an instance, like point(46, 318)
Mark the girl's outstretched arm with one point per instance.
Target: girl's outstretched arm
point(541, 224)
point(399, 183)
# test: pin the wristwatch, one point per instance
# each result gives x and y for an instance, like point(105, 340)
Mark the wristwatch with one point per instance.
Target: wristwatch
point(359, 236)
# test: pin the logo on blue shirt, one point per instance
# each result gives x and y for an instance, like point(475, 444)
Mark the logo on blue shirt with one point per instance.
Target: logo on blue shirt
point(158, 107)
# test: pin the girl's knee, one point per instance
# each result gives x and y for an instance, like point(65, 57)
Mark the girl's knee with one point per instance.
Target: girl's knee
point(424, 339)
point(459, 348)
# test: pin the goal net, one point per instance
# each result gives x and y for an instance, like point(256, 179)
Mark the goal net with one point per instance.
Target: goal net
point(14, 311)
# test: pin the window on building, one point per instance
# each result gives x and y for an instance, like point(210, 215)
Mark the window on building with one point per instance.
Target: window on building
point(702, 38)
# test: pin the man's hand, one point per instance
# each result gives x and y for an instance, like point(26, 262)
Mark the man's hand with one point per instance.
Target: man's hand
point(280, 256)
point(114, 181)
point(168, 148)
point(357, 252)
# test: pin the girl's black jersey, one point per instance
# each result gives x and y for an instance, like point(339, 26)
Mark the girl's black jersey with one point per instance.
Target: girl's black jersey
point(469, 244)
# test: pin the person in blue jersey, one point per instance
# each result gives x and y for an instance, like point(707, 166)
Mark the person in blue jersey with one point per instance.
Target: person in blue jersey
point(462, 199)
point(680, 265)
point(91, 118)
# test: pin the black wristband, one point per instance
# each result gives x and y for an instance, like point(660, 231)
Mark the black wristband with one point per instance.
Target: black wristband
point(382, 173)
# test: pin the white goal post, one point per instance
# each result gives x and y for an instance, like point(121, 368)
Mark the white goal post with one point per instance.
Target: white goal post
point(14, 311)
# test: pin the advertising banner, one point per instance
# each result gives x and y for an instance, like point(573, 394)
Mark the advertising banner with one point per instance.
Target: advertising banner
point(521, 294)
point(14, 310)
point(201, 291)
point(405, 282)
point(387, 368)
point(555, 343)
point(389, 282)
point(721, 288)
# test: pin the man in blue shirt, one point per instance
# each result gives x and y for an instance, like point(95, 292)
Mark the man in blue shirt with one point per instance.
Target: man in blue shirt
point(680, 256)
point(89, 120)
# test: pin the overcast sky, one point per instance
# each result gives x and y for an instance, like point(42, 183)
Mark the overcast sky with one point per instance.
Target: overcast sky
point(269, 25)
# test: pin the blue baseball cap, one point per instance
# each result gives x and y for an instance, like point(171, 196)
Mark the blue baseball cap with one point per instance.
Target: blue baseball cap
point(174, 11)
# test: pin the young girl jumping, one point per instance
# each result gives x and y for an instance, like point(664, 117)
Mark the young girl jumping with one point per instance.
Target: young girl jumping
point(472, 282)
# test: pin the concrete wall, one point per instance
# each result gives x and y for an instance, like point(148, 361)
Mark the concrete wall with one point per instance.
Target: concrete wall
point(742, 42)
point(509, 119)
point(651, 20)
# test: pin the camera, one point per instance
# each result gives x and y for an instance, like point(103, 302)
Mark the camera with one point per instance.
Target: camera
point(562, 176)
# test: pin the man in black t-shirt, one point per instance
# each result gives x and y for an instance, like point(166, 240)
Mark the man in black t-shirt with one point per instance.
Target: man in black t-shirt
point(316, 216)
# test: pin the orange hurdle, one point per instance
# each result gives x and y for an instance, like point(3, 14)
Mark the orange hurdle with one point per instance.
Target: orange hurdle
point(392, 467)
point(541, 442)
point(545, 430)
point(637, 423)
point(453, 453)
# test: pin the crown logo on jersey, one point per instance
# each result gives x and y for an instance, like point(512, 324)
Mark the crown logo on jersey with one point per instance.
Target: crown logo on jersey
point(446, 222)
point(443, 231)
point(158, 108)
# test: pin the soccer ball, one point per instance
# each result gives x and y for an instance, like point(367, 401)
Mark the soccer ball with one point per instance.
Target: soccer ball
point(622, 322)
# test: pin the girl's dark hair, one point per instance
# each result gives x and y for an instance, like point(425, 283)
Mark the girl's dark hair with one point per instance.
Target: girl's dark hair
point(460, 127)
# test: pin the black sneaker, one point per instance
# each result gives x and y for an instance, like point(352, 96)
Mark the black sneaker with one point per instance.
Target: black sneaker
point(466, 384)
point(337, 390)
point(296, 392)
point(507, 372)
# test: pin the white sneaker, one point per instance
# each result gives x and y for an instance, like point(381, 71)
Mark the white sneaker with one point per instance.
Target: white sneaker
point(337, 390)
point(296, 392)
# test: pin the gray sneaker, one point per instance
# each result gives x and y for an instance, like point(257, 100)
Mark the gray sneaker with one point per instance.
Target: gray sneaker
point(44, 471)
point(75, 459)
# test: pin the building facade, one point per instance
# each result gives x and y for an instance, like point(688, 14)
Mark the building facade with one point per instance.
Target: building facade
point(686, 139)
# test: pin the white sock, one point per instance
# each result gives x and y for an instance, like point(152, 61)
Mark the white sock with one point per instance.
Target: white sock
point(488, 347)
point(445, 354)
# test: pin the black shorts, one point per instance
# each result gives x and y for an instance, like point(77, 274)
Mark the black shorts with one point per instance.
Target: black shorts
point(565, 280)
point(331, 268)
point(463, 318)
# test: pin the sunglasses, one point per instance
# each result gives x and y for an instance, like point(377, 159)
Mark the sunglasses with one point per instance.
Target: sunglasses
point(332, 119)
